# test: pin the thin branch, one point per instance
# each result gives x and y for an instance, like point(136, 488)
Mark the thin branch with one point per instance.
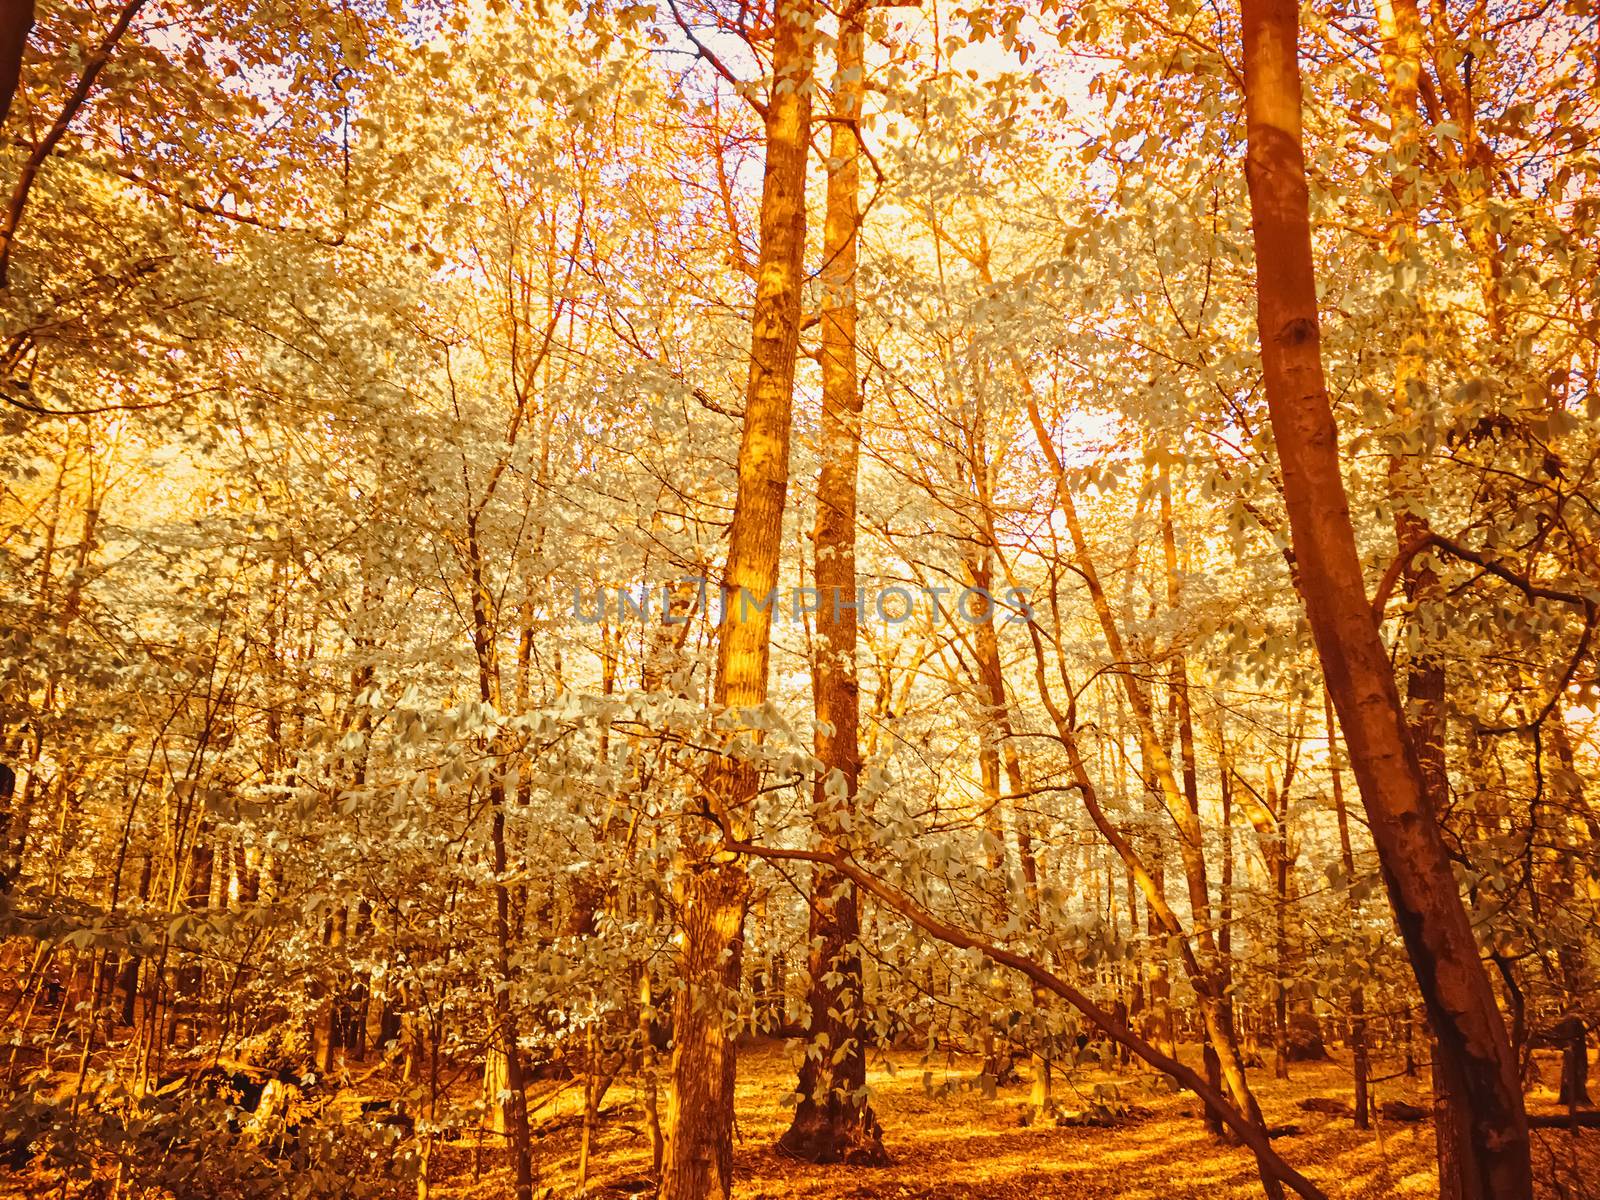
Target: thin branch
point(69, 111)
point(212, 210)
point(42, 411)
point(703, 51)
point(1533, 591)
point(1250, 1134)
point(1527, 587)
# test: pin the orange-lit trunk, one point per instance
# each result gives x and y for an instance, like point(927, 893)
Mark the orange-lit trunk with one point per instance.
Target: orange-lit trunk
point(1361, 1065)
point(1394, 788)
point(503, 1074)
point(699, 1156)
point(832, 1121)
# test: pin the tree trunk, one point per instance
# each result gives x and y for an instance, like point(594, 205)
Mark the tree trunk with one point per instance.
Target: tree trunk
point(504, 1032)
point(509, 1102)
point(1428, 909)
point(1358, 1001)
point(648, 1073)
point(699, 1155)
point(1212, 1060)
point(1574, 1039)
point(993, 728)
point(16, 22)
point(833, 1121)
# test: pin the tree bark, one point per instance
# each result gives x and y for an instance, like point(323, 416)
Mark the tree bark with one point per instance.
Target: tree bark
point(699, 1156)
point(503, 1062)
point(1427, 905)
point(1359, 1053)
point(832, 1120)
point(16, 22)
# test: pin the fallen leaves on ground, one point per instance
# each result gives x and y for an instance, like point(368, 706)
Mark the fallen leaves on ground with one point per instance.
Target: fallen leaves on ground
point(961, 1145)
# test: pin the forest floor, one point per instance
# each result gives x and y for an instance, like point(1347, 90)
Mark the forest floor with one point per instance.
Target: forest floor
point(953, 1141)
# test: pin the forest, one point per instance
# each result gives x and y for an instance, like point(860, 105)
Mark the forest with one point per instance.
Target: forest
point(863, 599)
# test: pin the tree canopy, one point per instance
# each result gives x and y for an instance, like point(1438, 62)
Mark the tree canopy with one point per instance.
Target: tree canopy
point(708, 553)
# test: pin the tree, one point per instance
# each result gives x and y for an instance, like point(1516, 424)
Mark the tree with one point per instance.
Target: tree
point(16, 22)
point(1475, 1051)
point(699, 1153)
point(378, 388)
point(833, 1122)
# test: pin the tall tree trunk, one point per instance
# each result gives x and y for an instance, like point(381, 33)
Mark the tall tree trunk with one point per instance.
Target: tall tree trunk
point(16, 22)
point(505, 1038)
point(1569, 957)
point(1196, 864)
point(8, 790)
point(699, 1157)
point(1178, 682)
point(1401, 60)
point(1428, 909)
point(997, 740)
point(992, 726)
point(833, 1121)
point(503, 1075)
point(648, 1072)
point(1279, 859)
point(1361, 1065)
point(1211, 1057)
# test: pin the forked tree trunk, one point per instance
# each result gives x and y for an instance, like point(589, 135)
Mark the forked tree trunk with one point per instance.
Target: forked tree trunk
point(699, 1155)
point(833, 1121)
point(1472, 1042)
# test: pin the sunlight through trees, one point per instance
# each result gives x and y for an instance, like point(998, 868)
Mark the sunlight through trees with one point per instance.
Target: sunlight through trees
point(701, 600)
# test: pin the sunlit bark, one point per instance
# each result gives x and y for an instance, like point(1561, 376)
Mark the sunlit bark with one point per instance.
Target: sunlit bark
point(833, 1121)
point(699, 1154)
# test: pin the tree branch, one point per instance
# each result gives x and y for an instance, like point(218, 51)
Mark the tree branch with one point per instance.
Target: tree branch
point(1251, 1135)
point(1527, 587)
point(80, 93)
point(703, 51)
